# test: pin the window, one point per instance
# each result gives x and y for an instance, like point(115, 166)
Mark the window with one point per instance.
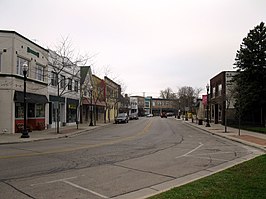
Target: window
point(213, 92)
point(39, 110)
point(220, 89)
point(69, 86)
point(62, 81)
point(20, 62)
point(31, 110)
point(76, 86)
point(53, 79)
point(19, 110)
point(39, 72)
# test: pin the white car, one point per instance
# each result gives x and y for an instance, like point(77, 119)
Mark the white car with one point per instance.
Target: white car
point(150, 115)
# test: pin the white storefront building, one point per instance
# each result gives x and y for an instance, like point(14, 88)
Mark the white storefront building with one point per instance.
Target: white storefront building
point(16, 50)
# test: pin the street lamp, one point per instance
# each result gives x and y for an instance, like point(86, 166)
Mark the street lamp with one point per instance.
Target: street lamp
point(91, 89)
point(25, 133)
point(208, 123)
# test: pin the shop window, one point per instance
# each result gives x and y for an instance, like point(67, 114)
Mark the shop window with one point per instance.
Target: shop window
point(55, 107)
point(39, 72)
point(72, 113)
point(40, 110)
point(20, 62)
point(19, 110)
point(220, 113)
point(31, 110)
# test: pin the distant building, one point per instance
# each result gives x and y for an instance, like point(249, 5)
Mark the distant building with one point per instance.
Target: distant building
point(160, 106)
point(140, 102)
point(133, 105)
point(148, 105)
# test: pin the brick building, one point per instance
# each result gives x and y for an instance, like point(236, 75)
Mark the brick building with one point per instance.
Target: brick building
point(222, 97)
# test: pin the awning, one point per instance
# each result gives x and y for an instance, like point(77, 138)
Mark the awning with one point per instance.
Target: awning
point(86, 101)
point(30, 98)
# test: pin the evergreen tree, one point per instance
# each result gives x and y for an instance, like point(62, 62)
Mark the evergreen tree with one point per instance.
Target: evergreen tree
point(251, 82)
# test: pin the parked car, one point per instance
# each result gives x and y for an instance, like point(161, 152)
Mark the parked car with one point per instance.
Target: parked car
point(170, 114)
point(150, 115)
point(121, 118)
point(134, 116)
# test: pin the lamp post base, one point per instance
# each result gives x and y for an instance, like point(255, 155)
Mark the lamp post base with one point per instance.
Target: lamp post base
point(25, 134)
point(208, 125)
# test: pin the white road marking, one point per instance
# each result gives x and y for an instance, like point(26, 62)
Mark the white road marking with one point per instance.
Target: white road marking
point(65, 180)
point(191, 151)
point(207, 158)
point(53, 181)
point(85, 189)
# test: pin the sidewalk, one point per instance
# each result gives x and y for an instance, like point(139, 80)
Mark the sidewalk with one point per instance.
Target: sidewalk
point(66, 131)
point(250, 138)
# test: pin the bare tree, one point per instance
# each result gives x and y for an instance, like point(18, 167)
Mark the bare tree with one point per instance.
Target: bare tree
point(64, 63)
point(167, 94)
point(186, 97)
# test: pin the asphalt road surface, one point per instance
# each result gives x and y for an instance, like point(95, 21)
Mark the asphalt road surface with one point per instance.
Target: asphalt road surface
point(112, 161)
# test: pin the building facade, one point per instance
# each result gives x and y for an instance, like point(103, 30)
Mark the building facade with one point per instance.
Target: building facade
point(99, 99)
point(113, 98)
point(16, 51)
point(160, 106)
point(222, 97)
point(55, 90)
point(63, 90)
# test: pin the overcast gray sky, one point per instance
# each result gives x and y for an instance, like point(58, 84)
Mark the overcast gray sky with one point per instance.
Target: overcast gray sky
point(149, 45)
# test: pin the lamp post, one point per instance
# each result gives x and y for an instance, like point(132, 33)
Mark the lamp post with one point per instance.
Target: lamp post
point(208, 123)
point(25, 133)
point(91, 88)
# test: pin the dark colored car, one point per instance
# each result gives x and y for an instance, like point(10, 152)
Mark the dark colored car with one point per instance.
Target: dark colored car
point(121, 118)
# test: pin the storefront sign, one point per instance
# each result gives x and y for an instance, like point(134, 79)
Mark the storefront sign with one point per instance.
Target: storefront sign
point(32, 52)
point(72, 106)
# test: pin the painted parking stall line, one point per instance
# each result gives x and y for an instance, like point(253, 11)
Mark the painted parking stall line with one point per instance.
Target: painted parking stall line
point(66, 180)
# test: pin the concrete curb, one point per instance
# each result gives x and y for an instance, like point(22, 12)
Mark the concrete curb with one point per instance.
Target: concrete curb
point(229, 137)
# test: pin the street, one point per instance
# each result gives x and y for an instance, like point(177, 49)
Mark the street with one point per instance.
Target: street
point(112, 161)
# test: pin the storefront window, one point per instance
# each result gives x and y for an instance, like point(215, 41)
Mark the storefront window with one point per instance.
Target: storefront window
point(72, 112)
point(19, 110)
point(31, 110)
point(39, 110)
point(55, 107)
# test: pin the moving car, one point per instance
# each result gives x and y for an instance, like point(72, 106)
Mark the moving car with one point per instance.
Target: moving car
point(121, 118)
